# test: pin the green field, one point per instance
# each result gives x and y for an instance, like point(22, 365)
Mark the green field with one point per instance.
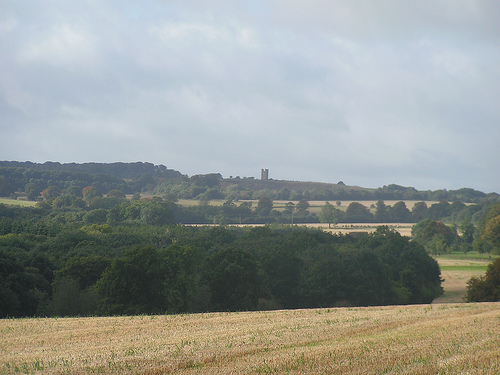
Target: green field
point(456, 270)
point(16, 202)
point(474, 268)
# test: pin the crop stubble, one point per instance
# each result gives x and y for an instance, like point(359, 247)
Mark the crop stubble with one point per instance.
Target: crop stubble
point(423, 339)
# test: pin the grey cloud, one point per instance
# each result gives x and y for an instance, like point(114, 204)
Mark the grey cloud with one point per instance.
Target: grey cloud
point(367, 92)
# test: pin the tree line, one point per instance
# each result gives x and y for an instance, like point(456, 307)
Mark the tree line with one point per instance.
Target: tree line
point(159, 180)
point(54, 269)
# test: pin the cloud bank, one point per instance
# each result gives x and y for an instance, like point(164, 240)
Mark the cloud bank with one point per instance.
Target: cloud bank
point(370, 93)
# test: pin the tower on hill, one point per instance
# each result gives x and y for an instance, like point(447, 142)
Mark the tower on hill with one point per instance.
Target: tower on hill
point(264, 174)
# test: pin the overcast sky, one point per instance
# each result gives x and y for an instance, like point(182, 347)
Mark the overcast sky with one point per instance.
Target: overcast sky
point(369, 92)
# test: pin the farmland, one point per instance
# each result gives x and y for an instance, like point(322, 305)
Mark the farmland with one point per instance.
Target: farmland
point(17, 202)
point(456, 270)
point(418, 339)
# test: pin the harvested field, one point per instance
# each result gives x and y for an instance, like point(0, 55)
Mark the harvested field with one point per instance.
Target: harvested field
point(403, 229)
point(423, 339)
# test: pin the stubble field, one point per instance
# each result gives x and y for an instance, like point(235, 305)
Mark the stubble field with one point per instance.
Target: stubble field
point(422, 339)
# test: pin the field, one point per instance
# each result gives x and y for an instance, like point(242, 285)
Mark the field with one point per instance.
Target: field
point(17, 202)
point(281, 204)
point(456, 270)
point(422, 339)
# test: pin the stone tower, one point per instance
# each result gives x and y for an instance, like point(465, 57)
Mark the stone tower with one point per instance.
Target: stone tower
point(264, 174)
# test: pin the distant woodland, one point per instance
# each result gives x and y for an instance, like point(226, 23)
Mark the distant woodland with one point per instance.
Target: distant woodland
point(158, 180)
point(107, 239)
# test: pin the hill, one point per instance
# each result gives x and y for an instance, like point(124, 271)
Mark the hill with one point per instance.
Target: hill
point(147, 178)
point(254, 184)
point(421, 339)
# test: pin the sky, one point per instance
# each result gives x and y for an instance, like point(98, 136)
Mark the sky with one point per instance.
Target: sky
point(368, 92)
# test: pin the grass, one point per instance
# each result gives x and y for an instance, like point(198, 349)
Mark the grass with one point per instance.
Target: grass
point(17, 202)
point(464, 268)
point(423, 339)
point(456, 270)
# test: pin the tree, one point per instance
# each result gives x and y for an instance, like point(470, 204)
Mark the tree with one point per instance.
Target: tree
point(329, 214)
point(284, 194)
point(4, 186)
point(382, 212)
point(116, 194)
point(157, 213)
point(438, 211)
point(467, 230)
point(32, 191)
point(485, 288)
point(90, 192)
point(264, 206)
point(21, 287)
point(74, 190)
point(97, 216)
point(492, 232)
point(232, 276)
point(400, 213)
point(435, 236)
point(133, 284)
point(283, 268)
point(51, 192)
point(357, 213)
point(302, 207)
point(68, 299)
point(289, 208)
point(416, 276)
point(348, 277)
point(419, 211)
point(85, 270)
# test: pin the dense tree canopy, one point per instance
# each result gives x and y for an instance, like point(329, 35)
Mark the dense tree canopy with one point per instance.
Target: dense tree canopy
point(76, 267)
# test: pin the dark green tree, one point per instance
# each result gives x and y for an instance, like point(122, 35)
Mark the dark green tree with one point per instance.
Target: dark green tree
point(435, 236)
point(68, 299)
point(381, 212)
point(485, 288)
point(492, 232)
point(400, 213)
point(21, 287)
point(90, 192)
point(97, 216)
point(233, 278)
point(134, 284)
point(116, 194)
point(157, 213)
point(51, 192)
point(302, 206)
point(358, 213)
point(419, 212)
point(84, 270)
point(74, 190)
point(264, 206)
point(467, 230)
point(4, 187)
point(32, 191)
